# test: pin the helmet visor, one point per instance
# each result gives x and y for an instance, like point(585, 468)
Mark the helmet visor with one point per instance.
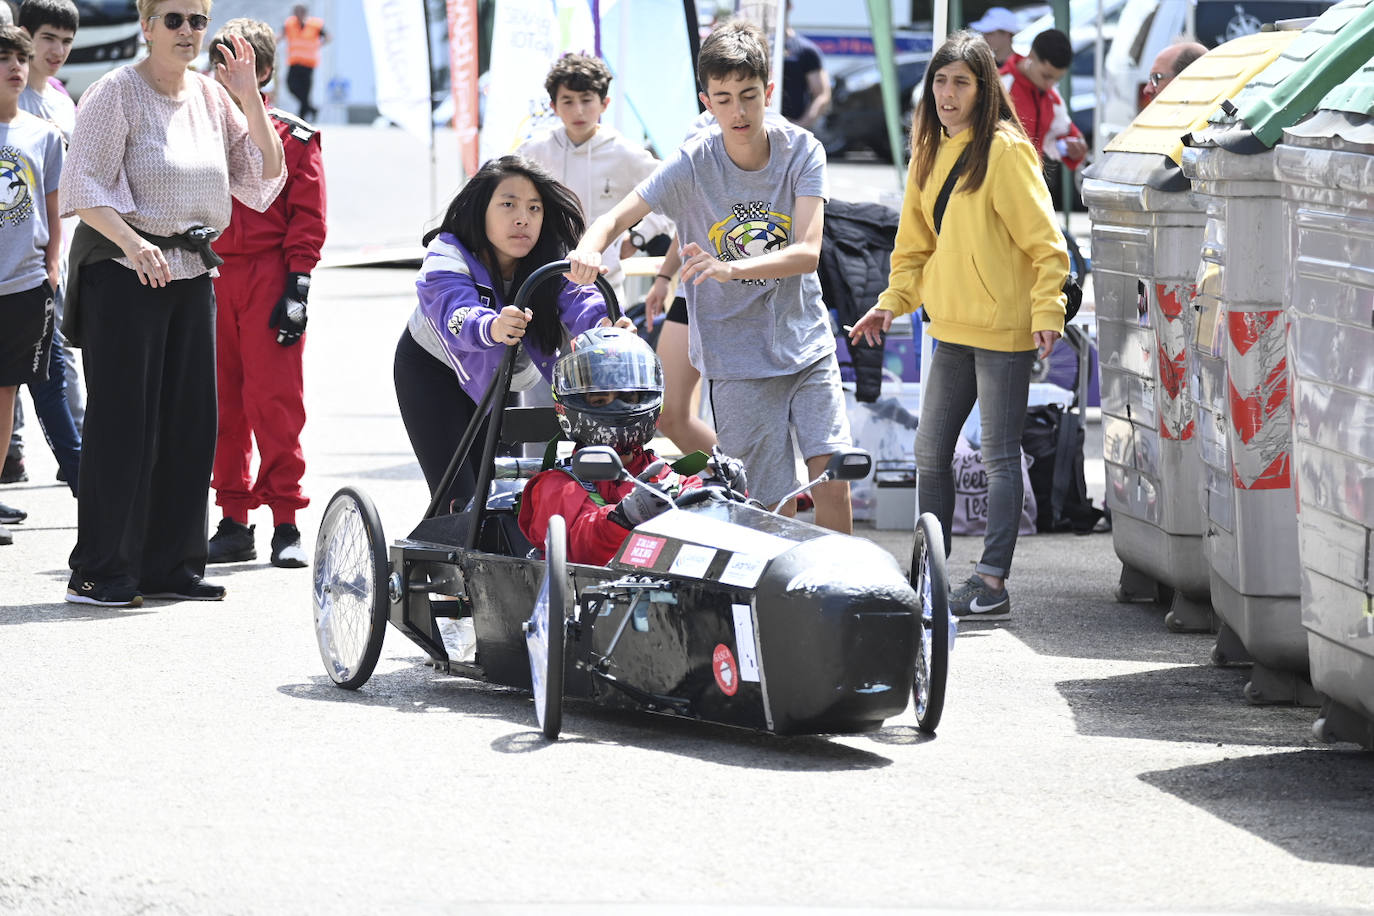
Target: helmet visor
point(605, 369)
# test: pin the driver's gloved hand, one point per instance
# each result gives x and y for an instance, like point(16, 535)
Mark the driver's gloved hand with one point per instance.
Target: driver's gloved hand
point(726, 471)
point(640, 505)
point(288, 317)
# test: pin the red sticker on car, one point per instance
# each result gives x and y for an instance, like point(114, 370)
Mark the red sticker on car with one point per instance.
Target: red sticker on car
point(724, 668)
point(642, 550)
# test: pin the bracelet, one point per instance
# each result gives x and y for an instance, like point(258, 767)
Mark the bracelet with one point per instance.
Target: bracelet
point(668, 277)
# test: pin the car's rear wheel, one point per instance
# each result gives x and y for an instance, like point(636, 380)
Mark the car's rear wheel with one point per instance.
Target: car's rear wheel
point(545, 632)
point(932, 650)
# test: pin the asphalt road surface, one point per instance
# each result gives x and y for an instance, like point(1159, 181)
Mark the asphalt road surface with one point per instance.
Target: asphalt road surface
point(195, 758)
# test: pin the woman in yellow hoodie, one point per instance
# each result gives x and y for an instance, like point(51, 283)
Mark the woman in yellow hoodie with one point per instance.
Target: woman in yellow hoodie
point(990, 281)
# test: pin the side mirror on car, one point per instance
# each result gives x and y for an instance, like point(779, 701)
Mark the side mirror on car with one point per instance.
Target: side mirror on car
point(597, 462)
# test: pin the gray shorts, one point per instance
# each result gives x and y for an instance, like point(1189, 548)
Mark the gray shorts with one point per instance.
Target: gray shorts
point(755, 419)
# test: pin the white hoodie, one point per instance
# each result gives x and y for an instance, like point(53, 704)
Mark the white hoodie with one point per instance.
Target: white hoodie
point(601, 172)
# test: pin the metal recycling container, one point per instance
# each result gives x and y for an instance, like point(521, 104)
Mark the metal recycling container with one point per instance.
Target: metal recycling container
point(1147, 229)
point(1238, 368)
point(1326, 166)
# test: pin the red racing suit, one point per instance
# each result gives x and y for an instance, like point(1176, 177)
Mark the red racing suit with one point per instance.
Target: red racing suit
point(261, 392)
point(1043, 114)
point(592, 537)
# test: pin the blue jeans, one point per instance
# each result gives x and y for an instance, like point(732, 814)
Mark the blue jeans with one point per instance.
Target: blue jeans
point(1000, 383)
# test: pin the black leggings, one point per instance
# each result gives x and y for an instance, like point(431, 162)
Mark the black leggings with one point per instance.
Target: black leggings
point(436, 412)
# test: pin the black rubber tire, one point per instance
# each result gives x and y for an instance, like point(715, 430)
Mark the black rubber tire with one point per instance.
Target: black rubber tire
point(350, 526)
point(556, 556)
point(932, 592)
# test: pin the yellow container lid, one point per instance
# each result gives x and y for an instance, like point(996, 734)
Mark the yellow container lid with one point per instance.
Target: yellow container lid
point(1191, 98)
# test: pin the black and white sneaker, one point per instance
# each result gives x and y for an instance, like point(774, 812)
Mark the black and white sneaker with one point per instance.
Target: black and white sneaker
point(11, 516)
point(102, 594)
point(195, 590)
point(287, 551)
point(976, 600)
point(232, 543)
point(13, 470)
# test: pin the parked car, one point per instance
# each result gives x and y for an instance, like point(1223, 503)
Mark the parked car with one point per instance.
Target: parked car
point(109, 36)
point(1146, 27)
point(855, 120)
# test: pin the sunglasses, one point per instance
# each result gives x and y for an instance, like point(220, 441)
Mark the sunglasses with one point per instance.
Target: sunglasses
point(1156, 79)
point(173, 21)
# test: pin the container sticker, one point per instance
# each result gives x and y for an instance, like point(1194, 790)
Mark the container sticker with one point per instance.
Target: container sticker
point(744, 642)
point(743, 570)
point(642, 550)
point(692, 560)
point(724, 668)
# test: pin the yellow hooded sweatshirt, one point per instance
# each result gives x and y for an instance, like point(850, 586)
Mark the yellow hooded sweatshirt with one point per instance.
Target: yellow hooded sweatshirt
point(996, 272)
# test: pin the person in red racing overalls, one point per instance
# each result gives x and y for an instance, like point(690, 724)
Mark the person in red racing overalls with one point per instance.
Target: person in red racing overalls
point(609, 391)
point(261, 293)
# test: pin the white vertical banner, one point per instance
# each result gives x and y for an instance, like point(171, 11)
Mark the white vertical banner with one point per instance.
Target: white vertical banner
point(527, 37)
point(768, 15)
point(400, 59)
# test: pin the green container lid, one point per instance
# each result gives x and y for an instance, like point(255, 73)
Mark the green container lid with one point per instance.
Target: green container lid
point(1355, 95)
point(1321, 58)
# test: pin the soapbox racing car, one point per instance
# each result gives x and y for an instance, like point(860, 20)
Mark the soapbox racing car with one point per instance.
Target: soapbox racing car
point(717, 609)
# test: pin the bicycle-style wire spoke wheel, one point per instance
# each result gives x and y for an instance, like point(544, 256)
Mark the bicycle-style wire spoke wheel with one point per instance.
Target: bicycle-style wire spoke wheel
point(932, 651)
point(350, 593)
point(546, 629)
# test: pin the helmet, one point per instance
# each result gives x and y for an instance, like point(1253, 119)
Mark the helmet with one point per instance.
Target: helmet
point(614, 362)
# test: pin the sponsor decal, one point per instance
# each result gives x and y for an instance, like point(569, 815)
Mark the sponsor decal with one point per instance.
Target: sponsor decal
point(693, 560)
point(642, 550)
point(744, 641)
point(726, 671)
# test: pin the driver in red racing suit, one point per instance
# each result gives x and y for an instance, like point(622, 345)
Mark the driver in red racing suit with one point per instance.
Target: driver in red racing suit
point(609, 391)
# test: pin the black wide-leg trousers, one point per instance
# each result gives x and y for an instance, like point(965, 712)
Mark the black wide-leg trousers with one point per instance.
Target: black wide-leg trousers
point(149, 357)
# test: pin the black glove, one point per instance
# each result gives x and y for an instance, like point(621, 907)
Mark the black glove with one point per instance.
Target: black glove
point(289, 315)
point(726, 471)
point(640, 505)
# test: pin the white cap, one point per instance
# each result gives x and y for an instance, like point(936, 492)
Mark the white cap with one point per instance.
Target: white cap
point(997, 19)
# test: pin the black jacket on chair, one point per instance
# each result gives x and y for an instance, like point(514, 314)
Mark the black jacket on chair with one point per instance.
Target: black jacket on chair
point(856, 253)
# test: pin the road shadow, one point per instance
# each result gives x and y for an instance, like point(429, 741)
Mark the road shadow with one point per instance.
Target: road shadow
point(1313, 804)
point(421, 689)
point(61, 611)
point(1189, 703)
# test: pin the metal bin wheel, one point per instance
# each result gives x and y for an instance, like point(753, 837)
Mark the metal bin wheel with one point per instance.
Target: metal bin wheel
point(350, 592)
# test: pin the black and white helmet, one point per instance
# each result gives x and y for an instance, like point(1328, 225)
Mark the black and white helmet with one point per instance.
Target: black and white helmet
point(609, 389)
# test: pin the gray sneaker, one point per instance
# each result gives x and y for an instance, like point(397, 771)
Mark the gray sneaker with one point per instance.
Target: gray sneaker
point(975, 600)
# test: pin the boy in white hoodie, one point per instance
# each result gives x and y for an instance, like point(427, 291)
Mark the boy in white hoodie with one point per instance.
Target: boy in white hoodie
point(592, 159)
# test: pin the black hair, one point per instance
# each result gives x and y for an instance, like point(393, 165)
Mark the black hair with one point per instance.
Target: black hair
point(1054, 48)
point(735, 49)
point(61, 14)
point(579, 73)
point(466, 218)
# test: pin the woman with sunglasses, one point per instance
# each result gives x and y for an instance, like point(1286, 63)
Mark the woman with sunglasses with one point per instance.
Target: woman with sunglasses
point(989, 274)
point(157, 152)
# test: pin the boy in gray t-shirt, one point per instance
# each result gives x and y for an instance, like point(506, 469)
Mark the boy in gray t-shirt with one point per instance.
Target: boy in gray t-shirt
point(748, 199)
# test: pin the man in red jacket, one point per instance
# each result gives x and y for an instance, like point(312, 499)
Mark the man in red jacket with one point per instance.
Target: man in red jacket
point(1031, 81)
point(261, 294)
point(609, 391)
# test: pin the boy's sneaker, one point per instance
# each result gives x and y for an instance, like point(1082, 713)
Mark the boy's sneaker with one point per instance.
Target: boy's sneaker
point(232, 543)
point(88, 591)
point(286, 548)
point(13, 471)
point(10, 515)
point(976, 600)
point(197, 589)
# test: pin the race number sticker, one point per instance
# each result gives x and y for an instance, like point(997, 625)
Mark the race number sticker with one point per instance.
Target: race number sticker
point(693, 560)
point(642, 550)
point(744, 642)
point(726, 671)
point(743, 570)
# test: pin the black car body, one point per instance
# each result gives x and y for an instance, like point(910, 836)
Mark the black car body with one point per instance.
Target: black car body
point(855, 120)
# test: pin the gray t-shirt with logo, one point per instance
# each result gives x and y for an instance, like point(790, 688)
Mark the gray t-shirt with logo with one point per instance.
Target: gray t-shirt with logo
point(30, 166)
point(746, 328)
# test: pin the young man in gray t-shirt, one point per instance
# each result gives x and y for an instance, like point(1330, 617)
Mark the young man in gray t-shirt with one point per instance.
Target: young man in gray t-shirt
point(748, 198)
